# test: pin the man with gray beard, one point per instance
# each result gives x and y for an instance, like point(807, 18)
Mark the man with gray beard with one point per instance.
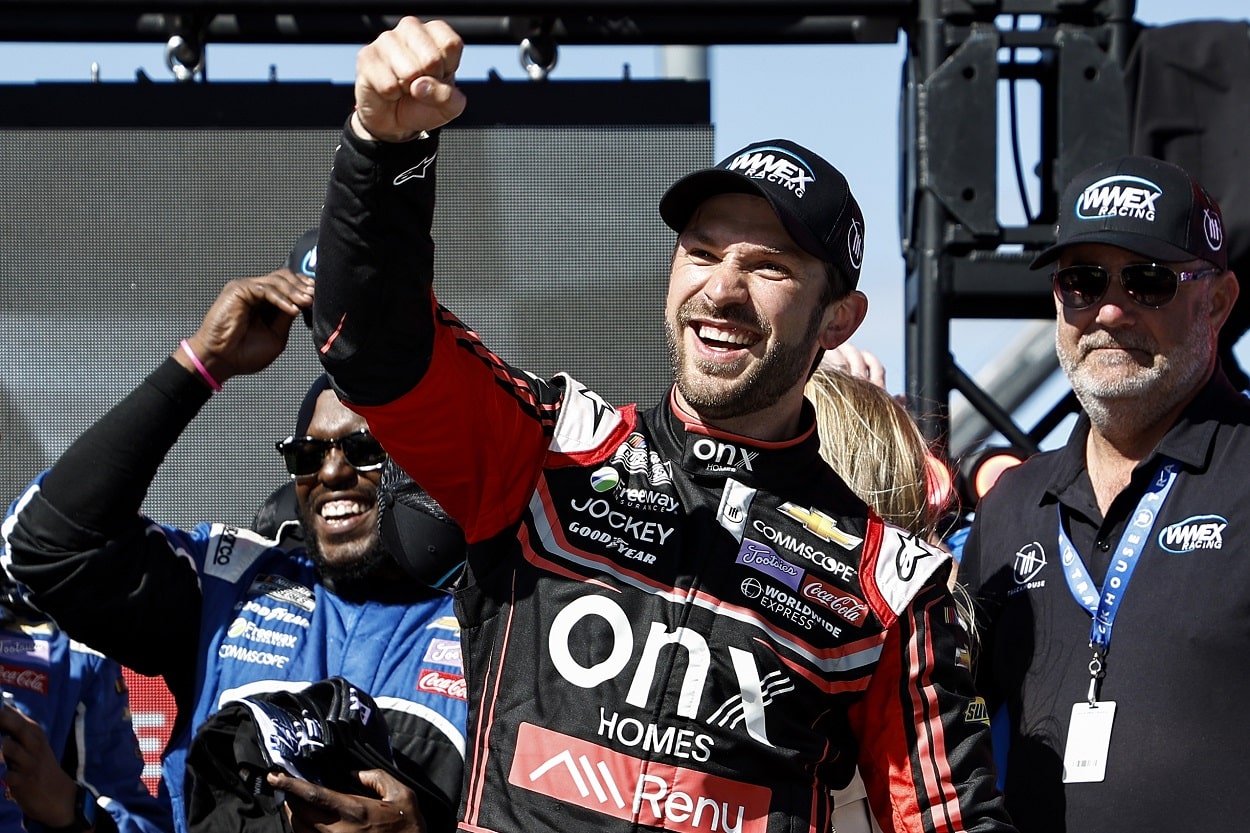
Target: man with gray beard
point(1141, 731)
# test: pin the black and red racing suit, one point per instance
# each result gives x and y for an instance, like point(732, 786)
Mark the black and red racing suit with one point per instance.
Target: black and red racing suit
point(664, 626)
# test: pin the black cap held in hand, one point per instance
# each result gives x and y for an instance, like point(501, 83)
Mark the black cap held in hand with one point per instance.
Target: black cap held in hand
point(811, 197)
point(302, 260)
point(1144, 205)
point(303, 257)
point(416, 531)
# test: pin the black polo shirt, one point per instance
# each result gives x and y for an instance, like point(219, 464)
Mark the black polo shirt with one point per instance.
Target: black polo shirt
point(1179, 661)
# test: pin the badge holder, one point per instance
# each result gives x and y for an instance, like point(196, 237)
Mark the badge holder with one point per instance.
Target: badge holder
point(1089, 732)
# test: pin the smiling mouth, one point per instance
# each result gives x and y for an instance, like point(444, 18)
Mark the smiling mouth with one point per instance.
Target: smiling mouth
point(724, 338)
point(342, 513)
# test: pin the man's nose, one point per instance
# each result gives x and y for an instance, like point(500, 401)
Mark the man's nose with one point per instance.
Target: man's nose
point(727, 284)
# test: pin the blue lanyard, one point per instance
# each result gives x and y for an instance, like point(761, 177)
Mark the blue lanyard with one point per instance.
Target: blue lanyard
point(1104, 604)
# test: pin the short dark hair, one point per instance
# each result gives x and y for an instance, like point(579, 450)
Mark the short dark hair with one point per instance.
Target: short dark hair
point(836, 284)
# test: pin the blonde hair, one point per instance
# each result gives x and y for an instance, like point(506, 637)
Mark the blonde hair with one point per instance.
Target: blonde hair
point(875, 446)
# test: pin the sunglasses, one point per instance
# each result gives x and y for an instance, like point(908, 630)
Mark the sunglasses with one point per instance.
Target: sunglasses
point(304, 456)
point(1149, 284)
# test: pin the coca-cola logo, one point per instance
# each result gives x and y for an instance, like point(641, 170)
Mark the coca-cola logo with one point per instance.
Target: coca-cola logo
point(848, 607)
point(27, 678)
point(438, 682)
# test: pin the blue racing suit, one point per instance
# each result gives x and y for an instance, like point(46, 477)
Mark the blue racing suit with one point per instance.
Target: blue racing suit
point(222, 612)
point(79, 699)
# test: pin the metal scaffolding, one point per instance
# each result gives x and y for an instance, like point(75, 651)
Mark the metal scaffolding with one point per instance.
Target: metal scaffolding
point(961, 261)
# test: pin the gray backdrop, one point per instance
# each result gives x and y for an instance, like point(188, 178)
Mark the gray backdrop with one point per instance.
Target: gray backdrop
point(115, 242)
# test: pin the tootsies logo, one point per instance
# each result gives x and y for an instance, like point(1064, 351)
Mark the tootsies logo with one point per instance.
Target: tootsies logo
point(763, 558)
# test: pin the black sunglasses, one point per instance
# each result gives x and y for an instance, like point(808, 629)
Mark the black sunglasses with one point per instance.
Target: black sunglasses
point(304, 456)
point(1149, 284)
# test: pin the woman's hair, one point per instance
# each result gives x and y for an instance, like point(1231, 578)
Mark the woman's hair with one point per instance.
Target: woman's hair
point(876, 447)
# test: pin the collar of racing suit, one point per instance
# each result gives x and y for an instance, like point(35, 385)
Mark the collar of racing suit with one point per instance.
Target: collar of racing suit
point(703, 451)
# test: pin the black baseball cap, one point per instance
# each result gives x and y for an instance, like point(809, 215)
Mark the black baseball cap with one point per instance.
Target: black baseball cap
point(1144, 205)
point(302, 260)
point(811, 197)
point(303, 257)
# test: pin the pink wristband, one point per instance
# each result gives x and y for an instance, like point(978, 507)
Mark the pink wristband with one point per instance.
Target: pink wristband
point(199, 365)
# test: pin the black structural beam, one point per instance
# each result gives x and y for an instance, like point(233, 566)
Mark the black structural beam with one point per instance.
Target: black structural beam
point(961, 260)
point(586, 22)
point(314, 104)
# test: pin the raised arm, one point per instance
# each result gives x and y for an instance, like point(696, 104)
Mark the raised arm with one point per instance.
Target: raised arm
point(474, 432)
point(371, 318)
point(77, 539)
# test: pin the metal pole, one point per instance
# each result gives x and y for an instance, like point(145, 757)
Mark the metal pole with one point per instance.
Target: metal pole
point(929, 350)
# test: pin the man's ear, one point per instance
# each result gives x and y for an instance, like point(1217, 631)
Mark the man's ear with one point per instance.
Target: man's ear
point(842, 319)
point(1223, 294)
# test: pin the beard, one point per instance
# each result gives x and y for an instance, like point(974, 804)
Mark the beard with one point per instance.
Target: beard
point(1154, 389)
point(783, 365)
point(359, 560)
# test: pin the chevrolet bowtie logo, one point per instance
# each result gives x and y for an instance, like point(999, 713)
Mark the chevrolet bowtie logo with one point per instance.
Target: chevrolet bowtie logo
point(821, 525)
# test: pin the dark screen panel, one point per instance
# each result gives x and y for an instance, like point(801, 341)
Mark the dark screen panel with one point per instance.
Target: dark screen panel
point(117, 240)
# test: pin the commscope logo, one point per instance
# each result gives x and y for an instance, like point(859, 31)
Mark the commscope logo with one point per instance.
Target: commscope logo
point(801, 548)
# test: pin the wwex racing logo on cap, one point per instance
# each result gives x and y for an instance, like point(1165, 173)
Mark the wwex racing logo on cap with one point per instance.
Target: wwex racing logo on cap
point(770, 164)
point(1119, 196)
